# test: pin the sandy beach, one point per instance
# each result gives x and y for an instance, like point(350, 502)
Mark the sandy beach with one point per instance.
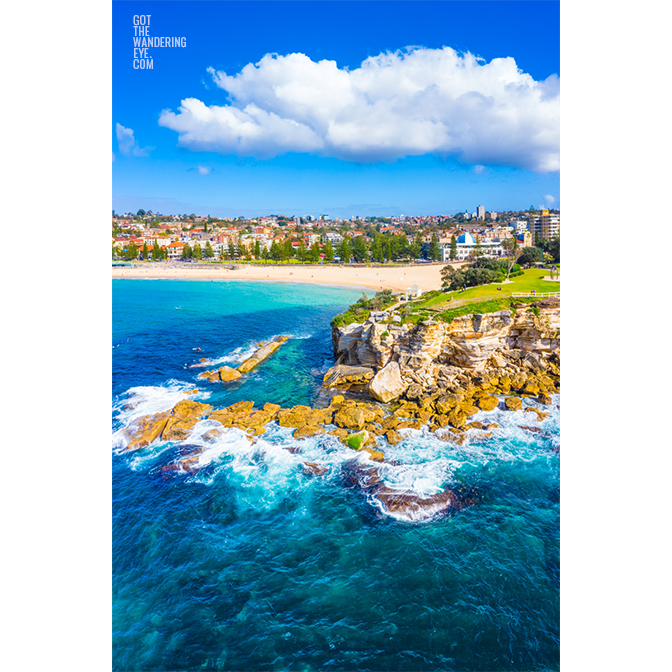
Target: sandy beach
point(398, 278)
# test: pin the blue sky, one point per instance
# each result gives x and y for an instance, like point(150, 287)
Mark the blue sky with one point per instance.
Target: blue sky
point(339, 108)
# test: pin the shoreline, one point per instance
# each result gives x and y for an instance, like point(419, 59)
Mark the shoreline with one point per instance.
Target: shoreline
point(398, 279)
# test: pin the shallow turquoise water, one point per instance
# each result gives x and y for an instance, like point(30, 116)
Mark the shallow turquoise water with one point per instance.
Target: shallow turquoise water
point(251, 565)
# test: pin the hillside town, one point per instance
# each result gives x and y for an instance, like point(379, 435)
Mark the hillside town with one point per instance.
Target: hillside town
point(147, 235)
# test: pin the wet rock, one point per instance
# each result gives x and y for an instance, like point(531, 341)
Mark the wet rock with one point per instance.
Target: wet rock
point(151, 427)
point(387, 384)
point(375, 455)
point(261, 354)
point(313, 469)
point(390, 422)
point(227, 374)
point(272, 409)
point(350, 417)
point(185, 414)
point(541, 415)
point(339, 432)
point(532, 430)
point(488, 403)
point(393, 438)
point(293, 417)
point(356, 440)
point(544, 399)
point(513, 403)
point(414, 507)
point(308, 430)
point(414, 392)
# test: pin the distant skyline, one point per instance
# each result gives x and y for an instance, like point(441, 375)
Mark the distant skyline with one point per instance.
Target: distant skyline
point(338, 108)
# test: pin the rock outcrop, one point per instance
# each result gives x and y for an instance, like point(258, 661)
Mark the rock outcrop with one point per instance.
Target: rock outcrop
point(496, 352)
point(262, 353)
point(387, 384)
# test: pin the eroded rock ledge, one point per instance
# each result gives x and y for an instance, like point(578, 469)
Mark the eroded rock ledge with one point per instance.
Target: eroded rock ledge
point(496, 350)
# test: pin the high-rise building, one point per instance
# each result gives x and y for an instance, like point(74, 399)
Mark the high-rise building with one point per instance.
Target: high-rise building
point(480, 212)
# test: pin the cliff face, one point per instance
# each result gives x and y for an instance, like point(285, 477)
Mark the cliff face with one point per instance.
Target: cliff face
point(434, 354)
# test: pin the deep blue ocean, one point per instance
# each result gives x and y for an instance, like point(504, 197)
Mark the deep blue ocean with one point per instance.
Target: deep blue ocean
point(249, 564)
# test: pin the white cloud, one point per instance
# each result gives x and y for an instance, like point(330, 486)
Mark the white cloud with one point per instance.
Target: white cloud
point(396, 104)
point(128, 145)
point(478, 169)
point(549, 199)
point(204, 170)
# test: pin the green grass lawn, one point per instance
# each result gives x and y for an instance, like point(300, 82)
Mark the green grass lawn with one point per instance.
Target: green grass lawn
point(530, 280)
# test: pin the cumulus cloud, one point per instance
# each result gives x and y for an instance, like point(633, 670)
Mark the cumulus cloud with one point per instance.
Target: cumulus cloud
point(549, 199)
point(204, 170)
point(399, 104)
point(128, 145)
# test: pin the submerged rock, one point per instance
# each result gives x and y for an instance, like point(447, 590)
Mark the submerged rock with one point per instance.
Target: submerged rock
point(313, 469)
point(415, 507)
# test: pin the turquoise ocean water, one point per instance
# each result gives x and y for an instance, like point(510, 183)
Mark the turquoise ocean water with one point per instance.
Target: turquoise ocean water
point(249, 564)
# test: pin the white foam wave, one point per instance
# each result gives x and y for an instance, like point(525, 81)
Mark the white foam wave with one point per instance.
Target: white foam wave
point(138, 402)
point(264, 471)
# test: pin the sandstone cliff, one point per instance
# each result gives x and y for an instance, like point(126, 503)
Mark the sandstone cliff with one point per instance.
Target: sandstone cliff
point(435, 355)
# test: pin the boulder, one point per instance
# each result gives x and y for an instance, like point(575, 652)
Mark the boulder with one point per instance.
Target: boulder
point(387, 384)
point(293, 417)
point(227, 374)
point(339, 432)
point(393, 438)
point(513, 403)
point(356, 440)
point(342, 375)
point(150, 429)
point(375, 455)
point(271, 408)
point(350, 417)
point(488, 403)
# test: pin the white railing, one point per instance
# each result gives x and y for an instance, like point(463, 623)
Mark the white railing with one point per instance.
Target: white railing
point(539, 294)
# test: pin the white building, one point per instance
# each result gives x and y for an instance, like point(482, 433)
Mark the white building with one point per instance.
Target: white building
point(466, 244)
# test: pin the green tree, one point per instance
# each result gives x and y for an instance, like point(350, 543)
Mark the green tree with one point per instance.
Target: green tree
point(344, 251)
point(209, 252)
point(145, 251)
point(232, 250)
point(513, 253)
point(377, 248)
point(257, 250)
point(415, 249)
point(141, 213)
point(530, 255)
point(287, 250)
point(359, 250)
point(434, 249)
point(388, 249)
point(315, 252)
point(186, 252)
point(156, 251)
point(453, 248)
point(198, 251)
point(302, 253)
point(328, 252)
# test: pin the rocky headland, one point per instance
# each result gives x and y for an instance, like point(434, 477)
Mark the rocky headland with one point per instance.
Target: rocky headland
point(391, 378)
